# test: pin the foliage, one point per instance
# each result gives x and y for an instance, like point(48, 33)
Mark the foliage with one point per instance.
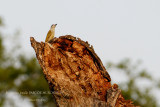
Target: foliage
point(23, 75)
point(131, 88)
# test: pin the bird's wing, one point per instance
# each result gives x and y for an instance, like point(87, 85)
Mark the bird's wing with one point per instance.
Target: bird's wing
point(48, 35)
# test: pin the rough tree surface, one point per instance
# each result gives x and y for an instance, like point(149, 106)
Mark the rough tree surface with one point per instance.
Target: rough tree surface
point(76, 75)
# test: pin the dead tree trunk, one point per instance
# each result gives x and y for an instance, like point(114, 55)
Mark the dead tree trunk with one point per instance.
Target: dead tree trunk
point(76, 75)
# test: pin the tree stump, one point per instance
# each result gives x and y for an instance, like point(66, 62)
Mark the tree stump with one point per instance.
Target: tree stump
point(76, 75)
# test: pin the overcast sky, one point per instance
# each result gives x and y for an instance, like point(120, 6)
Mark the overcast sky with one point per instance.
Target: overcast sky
point(117, 29)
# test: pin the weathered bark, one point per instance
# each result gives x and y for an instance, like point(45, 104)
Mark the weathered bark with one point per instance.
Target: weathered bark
point(76, 75)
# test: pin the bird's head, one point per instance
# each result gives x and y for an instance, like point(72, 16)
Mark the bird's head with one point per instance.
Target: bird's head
point(53, 26)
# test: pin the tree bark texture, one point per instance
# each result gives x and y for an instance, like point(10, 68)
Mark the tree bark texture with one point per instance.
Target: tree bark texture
point(76, 75)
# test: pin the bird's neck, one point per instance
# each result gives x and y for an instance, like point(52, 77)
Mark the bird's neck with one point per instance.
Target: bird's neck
point(53, 29)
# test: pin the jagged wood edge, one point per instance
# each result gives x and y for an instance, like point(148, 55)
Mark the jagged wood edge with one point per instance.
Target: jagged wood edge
point(38, 46)
point(112, 94)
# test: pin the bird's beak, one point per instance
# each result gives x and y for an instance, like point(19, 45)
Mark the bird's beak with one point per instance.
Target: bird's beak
point(55, 24)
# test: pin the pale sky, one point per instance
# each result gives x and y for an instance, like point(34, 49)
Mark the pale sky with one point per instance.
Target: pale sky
point(117, 29)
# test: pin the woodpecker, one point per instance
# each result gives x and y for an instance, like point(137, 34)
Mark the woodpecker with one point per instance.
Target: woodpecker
point(51, 32)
